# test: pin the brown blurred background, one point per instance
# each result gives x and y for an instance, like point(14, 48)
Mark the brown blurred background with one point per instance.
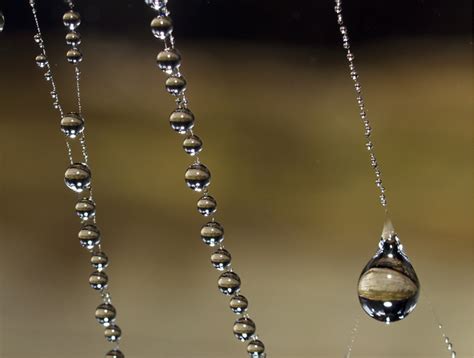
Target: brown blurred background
point(277, 114)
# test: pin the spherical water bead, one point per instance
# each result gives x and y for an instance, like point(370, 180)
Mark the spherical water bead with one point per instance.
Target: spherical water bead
point(115, 353)
point(71, 20)
point(229, 283)
point(41, 61)
point(78, 177)
point(89, 236)
point(98, 280)
point(85, 208)
point(244, 328)
point(197, 177)
point(112, 333)
point(105, 314)
point(156, 4)
point(175, 85)
point(182, 120)
point(212, 233)
point(239, 304)
point(192, 145)
point(207, 205)
point(161, 26)
point(74, 56)
point(37, 38)
point(48, 76)
point(99, 261)
point(73, 38)
point(72, 124)
point(256, 349)
point(168, 60)
point(221, 259)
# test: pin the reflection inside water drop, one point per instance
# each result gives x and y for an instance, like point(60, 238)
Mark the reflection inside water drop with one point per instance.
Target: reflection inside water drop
point(388, 286)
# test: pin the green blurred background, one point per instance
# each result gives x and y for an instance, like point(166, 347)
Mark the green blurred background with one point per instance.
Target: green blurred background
point(295, 191)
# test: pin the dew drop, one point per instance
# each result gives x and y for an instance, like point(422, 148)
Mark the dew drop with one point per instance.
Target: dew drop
point(388, 286)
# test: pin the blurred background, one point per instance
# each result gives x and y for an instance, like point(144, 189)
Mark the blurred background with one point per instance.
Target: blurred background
point(269, 85)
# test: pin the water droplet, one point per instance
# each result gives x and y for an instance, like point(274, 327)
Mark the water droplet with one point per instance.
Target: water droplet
point(105, 314)
point(207, 205)
point(212, 233)
point(161, 26)
point(85, 208)
point(239, 304)
point(197, 177)
point(48, 76)
point(192, 145)
point(71, 20)
point(229, 283)
point(41, 61)
point(37, 38)
point(73, 38)
point(99, 261)
point(221, 259)
point(112, 333)
point(115, 353)
point(182, 120)
point(98, 280)
point(78, 177)
point(89, 236)
point(175, 85)
point(72, 124)
point(168, 60)
point(244, 328)
point(74, 56)
point(388, 285)
point(256, 349)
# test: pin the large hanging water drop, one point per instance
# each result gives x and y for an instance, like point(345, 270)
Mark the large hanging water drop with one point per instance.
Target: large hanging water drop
point(388, 286)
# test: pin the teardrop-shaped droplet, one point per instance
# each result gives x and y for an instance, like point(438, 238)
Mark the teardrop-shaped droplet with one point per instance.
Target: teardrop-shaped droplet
point(388, 285)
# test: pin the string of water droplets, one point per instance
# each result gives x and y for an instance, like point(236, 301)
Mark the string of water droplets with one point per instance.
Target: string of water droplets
point(369, 144)
point(370, 147)
point(353, 337)
point(78, 174)
point(447, 342)
point(197, 178)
